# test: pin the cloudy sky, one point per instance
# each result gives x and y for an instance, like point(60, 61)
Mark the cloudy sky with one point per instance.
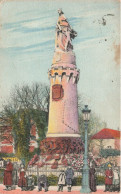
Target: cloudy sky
point(27, 38)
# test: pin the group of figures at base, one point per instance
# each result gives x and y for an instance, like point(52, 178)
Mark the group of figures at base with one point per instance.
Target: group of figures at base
point(11, 179)
point(112, 179)
point(27, 182)
point(65, 178)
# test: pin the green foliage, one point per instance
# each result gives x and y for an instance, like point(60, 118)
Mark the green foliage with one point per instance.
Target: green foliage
point(28, 105)
point(109, 152)
point(105, 165)
point(95, 123)
point(6, 155)
point(35, 179)
point(52, 180)
point(40, 118)
point(100, 180)
point(1, 175)
point(21, 131)
point(77, 181)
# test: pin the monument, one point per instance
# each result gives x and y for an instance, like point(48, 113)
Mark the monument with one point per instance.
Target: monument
point(63, 111)
point(63, 136)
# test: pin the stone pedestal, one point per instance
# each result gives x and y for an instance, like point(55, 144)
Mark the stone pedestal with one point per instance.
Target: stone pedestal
point(56, 151)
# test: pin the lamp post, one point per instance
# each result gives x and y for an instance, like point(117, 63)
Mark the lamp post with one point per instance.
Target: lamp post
point(85, 173)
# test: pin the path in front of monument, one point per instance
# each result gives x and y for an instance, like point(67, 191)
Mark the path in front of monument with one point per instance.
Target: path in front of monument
point(52, 190)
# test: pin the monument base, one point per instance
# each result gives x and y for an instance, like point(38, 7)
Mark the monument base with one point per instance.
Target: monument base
point(61, 145)
point(59, 152)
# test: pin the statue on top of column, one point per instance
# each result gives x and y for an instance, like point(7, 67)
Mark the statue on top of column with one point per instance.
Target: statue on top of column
point(64, 34)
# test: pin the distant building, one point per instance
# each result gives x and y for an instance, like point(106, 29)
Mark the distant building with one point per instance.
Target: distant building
point(106, 140)
point(110, 138)
point(33, 139)
point(7, 141)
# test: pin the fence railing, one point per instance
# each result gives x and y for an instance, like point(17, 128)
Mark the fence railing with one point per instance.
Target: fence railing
point(47, 171)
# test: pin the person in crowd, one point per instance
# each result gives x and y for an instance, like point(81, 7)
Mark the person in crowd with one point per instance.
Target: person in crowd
point(108, 178)
point(30, 183)
point(69, 176)
point(42, 182)
point(7, 181)
point(92, 177)
point(22, 178)
point(116, 179)
point(61, 180)
point(15, 175)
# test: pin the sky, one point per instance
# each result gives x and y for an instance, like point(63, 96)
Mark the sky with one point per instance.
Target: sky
point(27, 35)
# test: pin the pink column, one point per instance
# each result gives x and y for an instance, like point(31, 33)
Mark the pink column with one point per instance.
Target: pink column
point(63, 113)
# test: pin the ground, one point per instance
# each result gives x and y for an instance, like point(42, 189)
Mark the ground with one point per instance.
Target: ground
point(52, 190)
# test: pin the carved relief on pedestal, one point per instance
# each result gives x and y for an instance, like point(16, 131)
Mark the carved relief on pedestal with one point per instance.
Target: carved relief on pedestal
point(61, 145)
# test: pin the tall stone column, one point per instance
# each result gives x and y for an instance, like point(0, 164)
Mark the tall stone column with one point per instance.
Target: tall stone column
point(63, 136)
point(63, 111)
point(64, 76)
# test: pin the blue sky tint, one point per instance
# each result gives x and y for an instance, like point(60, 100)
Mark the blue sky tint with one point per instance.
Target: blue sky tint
point(27, 46)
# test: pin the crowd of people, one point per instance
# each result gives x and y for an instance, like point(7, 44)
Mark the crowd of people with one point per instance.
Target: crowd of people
point(65, 178)
point(14, 176)
point(112, 178)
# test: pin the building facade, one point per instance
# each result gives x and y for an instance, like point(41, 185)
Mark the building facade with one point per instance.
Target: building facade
point(7, 140)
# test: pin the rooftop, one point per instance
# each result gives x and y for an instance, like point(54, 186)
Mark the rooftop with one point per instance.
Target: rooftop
point(107, 134)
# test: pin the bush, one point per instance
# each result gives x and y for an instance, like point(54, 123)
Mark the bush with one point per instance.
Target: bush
point(7, 155)
point(100, 180)
point(109, 152)
point(35, 179)
point(1, 175)
point(77, 181)
point(52, 180)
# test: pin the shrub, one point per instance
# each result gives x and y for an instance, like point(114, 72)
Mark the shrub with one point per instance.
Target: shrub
point(7, 155)
point(109, 152)
point(52, 180)
point(1, 175)
point(100, 180)
point(35, 179)
point(77, 181)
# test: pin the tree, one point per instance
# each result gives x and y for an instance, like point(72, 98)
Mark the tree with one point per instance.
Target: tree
point(109, 152)
point(95, 123)
point(28, 105)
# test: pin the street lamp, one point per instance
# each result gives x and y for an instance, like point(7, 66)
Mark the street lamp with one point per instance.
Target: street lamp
point(85, 173)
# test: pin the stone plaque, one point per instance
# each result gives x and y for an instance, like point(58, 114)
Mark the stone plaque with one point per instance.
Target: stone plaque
point(57, 92)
